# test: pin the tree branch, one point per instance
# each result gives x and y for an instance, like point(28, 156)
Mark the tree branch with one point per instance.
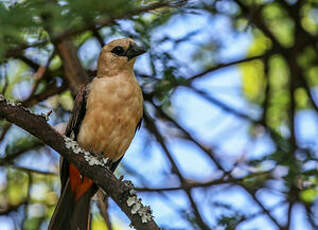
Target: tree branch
point(74, 72)
point(224, 65)
point(102, 204)
point(120, 191)
point(188, 185)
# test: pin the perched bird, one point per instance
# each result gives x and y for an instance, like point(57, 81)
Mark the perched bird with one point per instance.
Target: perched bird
point(105, 117)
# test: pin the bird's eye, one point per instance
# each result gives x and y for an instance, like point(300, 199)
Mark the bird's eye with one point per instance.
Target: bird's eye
point(118, 50)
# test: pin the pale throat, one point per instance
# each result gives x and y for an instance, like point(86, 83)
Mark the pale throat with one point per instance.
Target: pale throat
point(113, 68)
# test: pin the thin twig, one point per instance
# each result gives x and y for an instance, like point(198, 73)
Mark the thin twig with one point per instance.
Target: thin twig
point(151, 125)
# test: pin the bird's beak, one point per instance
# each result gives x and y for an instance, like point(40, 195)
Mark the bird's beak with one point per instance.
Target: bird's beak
point(134, 51)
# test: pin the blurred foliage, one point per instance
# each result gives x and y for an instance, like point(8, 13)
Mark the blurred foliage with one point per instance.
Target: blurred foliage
point(277, 19)
point(277, 89)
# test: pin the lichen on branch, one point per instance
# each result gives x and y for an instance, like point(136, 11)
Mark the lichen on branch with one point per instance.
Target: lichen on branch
point(86, 163)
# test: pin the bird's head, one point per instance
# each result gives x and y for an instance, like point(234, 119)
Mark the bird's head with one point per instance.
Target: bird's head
point(117, 56)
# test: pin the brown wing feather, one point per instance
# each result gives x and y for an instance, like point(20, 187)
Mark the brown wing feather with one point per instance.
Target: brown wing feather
point(78, 113)
point(73, 127)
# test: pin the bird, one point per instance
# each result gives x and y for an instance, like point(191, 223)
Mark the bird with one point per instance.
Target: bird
point(107, 113)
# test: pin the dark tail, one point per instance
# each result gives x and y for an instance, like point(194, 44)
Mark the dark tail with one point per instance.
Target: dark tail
point(72, 212)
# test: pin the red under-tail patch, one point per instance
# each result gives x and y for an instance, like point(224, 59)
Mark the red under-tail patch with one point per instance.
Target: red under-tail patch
point(79, 185)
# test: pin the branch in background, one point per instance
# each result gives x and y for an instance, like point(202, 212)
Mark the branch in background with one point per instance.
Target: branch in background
point(311, 217)
point(51, 90)
point(188, 185)
point(258, 21)
point(308, 91)
point(265, 104)
point(205, 149)
point(154, 130)
point(120, 191)
point(125, 15)
point(99, 37)
point(6, 80)
point(5, 129)
point(262, 212)
point(29, 170)
point(28, 198)
point(74, 72)
point(13, 52)
point(28, 61)
point(10, 158)
point(92, 26)
point(102, 203)
point(221, 105)
point(259, 203)
point(12, 208)
point(224, 65)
